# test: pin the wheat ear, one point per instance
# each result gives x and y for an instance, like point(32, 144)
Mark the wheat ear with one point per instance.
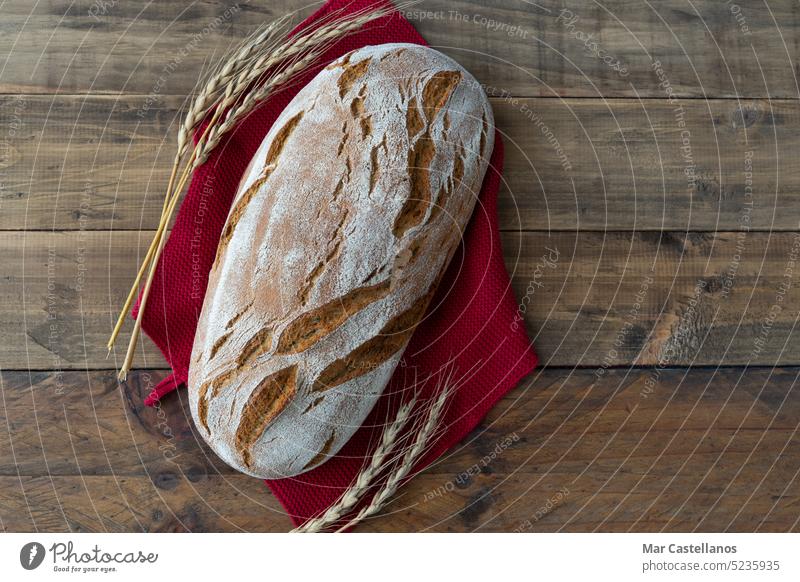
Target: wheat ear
point(425, 438)
point(202, 106)
point(364, 481)
point(255, 71)
point(399, 458)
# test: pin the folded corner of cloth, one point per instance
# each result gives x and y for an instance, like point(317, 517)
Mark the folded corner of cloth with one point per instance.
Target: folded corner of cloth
point(474, 326)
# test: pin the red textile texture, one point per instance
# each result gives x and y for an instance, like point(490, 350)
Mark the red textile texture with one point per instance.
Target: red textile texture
point(470, 328)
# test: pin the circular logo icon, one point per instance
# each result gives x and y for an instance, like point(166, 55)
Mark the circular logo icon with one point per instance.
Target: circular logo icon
point(31, 555)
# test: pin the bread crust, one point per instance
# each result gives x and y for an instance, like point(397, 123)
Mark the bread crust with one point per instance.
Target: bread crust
point(341, 229)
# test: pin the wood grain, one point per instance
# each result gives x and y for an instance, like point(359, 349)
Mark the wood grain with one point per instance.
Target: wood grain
point(60, 294)
point(712, 450)
point(615, 164)
point(588, 298)
point(651, 228)
point(528, 49)
point(134, 504)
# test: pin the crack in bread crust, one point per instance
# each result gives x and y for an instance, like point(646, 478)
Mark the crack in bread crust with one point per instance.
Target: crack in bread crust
point(238, 316)
point(260, 343)
point(351, 74)
point(218, 344)
point(307, 329)
point(204, 398)
point(434, 95)
point(274, 152)
point(322, 454)
point(266, 402)
point(375, 351)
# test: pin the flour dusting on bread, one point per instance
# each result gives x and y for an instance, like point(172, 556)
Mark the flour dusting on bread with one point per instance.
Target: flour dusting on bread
point(341, 230)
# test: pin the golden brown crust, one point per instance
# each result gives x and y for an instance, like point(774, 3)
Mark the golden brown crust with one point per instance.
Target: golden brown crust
point(308, 328)
point(266, 402)
point(392, 338)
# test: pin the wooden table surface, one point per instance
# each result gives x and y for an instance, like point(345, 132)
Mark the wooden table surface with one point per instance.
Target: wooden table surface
point(651, 153)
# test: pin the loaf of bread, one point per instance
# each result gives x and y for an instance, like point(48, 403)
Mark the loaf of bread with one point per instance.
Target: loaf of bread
point(340, 232)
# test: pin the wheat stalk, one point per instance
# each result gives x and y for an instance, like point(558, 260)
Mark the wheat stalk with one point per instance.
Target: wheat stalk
point(364, 481)
point(426, 436)
point(203, 104)
point(420, 437)
point(220, 82)
point(265, 63)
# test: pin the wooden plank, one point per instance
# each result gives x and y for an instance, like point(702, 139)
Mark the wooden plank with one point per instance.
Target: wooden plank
point(589, 298)
point(586, 164)
point(655, 299)
point(94, 163)
point(151, 48)
point(83, 162)
point(87, 423)
point(135, 504)
point(60, 294)
point(711, 450)
point(591, 49)
point(528, 49)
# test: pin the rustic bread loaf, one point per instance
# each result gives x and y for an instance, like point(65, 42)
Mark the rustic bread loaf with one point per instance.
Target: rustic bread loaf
point(341, 229)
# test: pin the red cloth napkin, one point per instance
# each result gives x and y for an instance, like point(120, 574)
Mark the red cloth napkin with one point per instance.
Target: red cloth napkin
point(470, 329)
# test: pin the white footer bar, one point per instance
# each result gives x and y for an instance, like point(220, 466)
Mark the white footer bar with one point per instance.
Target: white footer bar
point(386, 557)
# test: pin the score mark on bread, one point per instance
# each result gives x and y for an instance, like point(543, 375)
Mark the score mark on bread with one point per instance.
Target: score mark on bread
point(310, 327)
point(275, 149)
point(268, 399)
point(435, 94)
